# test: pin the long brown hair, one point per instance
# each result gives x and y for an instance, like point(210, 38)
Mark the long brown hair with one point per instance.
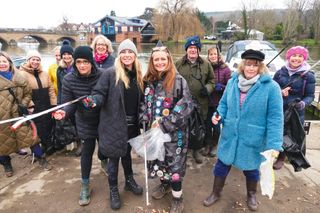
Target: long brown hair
point(170, 73)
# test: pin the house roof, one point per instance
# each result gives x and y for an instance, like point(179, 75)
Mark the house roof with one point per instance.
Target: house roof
point(124, 21)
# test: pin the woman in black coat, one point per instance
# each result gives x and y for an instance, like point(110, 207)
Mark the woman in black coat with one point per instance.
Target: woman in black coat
point(118, 94)
point(78, 83)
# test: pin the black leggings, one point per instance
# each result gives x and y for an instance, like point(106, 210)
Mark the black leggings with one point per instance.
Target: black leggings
point(88, 146)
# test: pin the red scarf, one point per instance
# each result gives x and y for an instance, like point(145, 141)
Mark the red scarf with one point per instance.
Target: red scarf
point(100, 58)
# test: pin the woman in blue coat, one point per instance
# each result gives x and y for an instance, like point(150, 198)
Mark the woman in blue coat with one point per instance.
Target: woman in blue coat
point(297, 84)
point(251, 114)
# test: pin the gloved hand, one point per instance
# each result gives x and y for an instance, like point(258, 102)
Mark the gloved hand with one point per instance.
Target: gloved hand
point(219, 87)
point(89, 102)
point(300, 105)
point(204, 92)
point(22, 110)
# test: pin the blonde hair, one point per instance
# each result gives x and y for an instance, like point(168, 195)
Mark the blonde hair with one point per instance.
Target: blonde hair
point(261, 70)
point(122, 76)
point(220, 56)
point(12, 68)
point(105, 40)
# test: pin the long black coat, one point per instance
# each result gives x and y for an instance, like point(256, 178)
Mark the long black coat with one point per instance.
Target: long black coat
point(74, 86)
point(113, 130)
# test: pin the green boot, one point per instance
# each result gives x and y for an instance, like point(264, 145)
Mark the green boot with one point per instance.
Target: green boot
point(84, 194)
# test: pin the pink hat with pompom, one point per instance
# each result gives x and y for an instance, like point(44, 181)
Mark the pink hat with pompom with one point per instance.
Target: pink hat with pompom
point(297, 50)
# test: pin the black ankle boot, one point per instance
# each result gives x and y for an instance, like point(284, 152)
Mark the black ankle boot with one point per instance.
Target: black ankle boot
point(115, 202)
point(8, 168)
point(131, 185)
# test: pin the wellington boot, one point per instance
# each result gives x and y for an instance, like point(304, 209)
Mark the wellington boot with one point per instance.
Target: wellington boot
point(115, 201)
point(84, 194)
point(280, 161)
point(44, 164)
point(176, 205)
point(197, 156)
point(131, 185)
point(8, 168)
point(216, 191)
point(251, 195)
point(161, 190)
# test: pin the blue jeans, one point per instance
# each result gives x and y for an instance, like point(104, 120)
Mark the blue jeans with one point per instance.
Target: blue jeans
point(222, 170)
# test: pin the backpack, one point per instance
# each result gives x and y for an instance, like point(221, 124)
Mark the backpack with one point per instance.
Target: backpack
point(196, 124)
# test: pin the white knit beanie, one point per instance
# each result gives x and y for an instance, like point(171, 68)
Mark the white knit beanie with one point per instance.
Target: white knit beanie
point(33, 53)
point(127, 45)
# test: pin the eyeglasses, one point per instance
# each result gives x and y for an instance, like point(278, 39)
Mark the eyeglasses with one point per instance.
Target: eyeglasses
point(84, 62)
point(162, 48)
point(101, 44)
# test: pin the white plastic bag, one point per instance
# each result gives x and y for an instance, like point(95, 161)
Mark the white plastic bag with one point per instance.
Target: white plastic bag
point(267, 179)
point(154, 140)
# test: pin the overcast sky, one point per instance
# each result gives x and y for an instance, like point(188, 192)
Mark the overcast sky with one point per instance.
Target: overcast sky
point(36, 13)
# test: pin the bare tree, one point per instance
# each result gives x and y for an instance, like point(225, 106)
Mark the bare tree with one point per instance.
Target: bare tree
point(316, 19)
point(175, 19)
point(249, 10)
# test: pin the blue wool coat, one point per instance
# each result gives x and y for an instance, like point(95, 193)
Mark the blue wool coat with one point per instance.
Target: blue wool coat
point(254, 127)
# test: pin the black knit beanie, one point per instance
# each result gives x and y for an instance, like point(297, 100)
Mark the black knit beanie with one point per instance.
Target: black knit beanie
point(66, 47)
point(84, 52)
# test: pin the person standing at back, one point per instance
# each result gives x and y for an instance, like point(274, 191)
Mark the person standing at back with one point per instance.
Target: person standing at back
point(298, 85)
point(102, 50)
point(52, 71)
point(222, 74)
point(199, 74)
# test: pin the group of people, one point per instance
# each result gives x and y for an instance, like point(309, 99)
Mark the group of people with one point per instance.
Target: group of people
point(119, 100)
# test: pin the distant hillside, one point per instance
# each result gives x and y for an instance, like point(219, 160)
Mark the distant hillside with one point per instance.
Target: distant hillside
point(234, 15)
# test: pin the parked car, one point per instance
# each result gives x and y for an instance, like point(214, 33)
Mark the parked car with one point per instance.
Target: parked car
point(234, 51)
point(18, 60)
point(210, 37)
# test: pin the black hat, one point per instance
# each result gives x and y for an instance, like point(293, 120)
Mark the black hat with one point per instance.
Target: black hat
point(84, 52)
point(253, 54)
point(66, 47)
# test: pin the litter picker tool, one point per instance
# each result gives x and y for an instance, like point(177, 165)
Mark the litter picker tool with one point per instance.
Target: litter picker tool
point(17, 124)
point(145, 164)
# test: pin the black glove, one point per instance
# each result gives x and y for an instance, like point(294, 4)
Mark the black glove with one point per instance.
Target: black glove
point(204, 92)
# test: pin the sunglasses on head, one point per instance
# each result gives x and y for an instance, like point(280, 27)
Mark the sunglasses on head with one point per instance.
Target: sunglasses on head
point(163, 48)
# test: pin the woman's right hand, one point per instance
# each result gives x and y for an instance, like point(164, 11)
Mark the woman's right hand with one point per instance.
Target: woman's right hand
point(215, 119)
point(285, 91)
point(59, 114)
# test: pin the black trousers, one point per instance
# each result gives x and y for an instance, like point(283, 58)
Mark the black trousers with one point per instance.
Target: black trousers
point(126, 161)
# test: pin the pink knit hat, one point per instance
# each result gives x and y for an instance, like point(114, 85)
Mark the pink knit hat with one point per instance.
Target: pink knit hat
point(297, 50)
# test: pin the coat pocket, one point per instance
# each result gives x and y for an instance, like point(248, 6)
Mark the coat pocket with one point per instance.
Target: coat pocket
point(254, 135)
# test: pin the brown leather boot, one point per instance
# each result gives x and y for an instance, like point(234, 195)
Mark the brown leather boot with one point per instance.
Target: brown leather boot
point(251, 195)
point(280, 161)
point(215, 194)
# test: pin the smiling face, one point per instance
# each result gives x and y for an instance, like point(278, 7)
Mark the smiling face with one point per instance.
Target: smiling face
point(213, 56)
point(34, 62)
point(160, 61)
point(4, 64)
point(101, 47)
point(67, 58)
point(296, 60)
point(251, 68)
point(127, 58)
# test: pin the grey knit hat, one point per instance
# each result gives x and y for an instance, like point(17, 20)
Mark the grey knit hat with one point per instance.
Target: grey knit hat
point(127, 45)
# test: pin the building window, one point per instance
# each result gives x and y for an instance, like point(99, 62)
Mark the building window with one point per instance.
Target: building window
point(119, 30)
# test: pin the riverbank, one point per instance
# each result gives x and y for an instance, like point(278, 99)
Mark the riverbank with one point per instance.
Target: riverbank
point(34, 190)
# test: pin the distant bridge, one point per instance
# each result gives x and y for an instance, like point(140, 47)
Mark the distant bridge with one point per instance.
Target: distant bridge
point(44, 37)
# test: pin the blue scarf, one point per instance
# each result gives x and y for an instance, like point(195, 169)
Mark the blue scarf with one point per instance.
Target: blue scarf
point(7, 74)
